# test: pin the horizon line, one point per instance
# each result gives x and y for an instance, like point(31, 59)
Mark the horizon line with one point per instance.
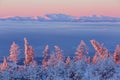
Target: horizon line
point(44, 16)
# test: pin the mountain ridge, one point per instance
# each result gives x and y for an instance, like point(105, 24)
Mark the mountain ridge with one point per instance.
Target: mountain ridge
point(63, 18)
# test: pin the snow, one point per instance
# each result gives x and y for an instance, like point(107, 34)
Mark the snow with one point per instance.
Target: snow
point(56, 67)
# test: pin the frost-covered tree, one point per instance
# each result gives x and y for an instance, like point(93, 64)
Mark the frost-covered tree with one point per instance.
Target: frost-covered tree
point(52, 61)
point(95, 58)
point(46, 52)
point(14, 52)
point(82, 51)
point(58, 52)
point(80, 69)
point(4, 65)
point(68, 61)
point(103, 52)
point(57, 71)
point(117, 54)
point(29, 54)
point(45, 56)
point(102, 70)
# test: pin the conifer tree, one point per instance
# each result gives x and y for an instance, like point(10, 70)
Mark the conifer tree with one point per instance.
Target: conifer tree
point(29, 53)
point(117, 54)
point(68, 60)
point(103, 52)
point(52, 61)
point(14, 52)
point(95, 58)
point(81, 51)
point(58, 53)
point(4, 65)
point(45, 56)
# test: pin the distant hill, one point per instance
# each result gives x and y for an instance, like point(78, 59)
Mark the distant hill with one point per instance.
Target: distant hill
point(63, 18)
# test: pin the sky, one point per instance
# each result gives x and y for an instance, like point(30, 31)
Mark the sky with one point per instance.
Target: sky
point(76, 8)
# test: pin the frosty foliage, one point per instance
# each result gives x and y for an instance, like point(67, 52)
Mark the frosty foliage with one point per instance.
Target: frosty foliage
point(57, 67)
point(4, 65)
point(14, 52)
point(117, 54)
point(29, 53)
point(58, 52)
point(45, 56)
point(103, 52)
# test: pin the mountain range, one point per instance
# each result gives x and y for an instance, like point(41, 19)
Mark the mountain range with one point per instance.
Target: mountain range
point(63, 18)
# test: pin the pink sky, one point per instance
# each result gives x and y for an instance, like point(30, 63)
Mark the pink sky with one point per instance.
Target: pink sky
point(71, 7)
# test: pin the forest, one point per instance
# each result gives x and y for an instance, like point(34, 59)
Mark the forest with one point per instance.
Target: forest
point(55, 66)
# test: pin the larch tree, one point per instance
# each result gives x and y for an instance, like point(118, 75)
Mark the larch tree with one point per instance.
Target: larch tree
point(117, 54)
point(14, 52)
